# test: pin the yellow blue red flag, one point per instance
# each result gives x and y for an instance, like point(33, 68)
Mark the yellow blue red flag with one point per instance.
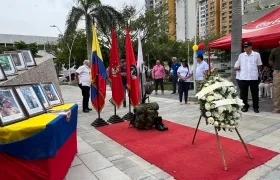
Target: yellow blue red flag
point(98, 75)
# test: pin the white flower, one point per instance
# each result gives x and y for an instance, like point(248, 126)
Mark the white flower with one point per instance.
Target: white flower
point(207, 106)
point(216, 96)
point(216, 114)
point(221, 109)
point(229, 108)
point(206, 84)
point(203, 98)
point(232, 122)
point(210, 120)
point(222, 124)
point(216, 123)
point(234, 109)
point(210, 98)
point(208, 113)
point(213, 106)
point(229, 96)
point(222, 117)
point(232, 89)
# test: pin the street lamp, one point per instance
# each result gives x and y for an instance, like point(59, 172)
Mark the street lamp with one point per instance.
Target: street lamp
point(188, 40)
point(69, 48)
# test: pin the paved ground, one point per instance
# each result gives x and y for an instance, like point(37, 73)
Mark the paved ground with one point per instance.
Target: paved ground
point(100, 158)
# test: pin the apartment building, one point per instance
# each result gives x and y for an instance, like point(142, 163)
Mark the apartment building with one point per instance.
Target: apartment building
point(181, 17)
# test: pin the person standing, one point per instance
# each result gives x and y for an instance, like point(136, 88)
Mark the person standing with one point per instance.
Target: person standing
point(184, 75)
point(83, 79)
point(123, 76)
point(158, 73)
point(274, 61)
point(175, 65)
point(265, 87)
point(201, 70)
point(249, 63)
point(237, 75)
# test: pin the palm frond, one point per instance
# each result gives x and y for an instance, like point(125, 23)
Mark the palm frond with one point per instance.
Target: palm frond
point(73, 19)
point(107, 15)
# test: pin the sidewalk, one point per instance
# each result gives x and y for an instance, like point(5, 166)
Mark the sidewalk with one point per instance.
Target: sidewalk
point(100, 158)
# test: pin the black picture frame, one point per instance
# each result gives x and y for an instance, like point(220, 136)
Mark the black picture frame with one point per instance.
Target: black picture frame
point(49, 88)
point(40, 93)
point(30, 100)
point(28, 58)
point(11, 107)
point(3, 76)
point(18, 59)
point(8, 67)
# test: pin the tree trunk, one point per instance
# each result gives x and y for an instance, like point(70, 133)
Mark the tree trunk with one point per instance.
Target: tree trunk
point(236, 35)
point(89, 37)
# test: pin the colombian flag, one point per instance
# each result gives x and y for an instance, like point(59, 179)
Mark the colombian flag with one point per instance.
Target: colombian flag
point(98, 75)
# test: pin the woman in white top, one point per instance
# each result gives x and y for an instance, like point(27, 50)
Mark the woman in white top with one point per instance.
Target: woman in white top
point(184, 75)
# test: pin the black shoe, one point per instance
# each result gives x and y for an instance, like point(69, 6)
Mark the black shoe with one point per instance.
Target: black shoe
point(89, 109)
point(173, 93)
point(244, 109)
point(124, 103)
point(86, 111)
point(159, 125)
point(256, 110)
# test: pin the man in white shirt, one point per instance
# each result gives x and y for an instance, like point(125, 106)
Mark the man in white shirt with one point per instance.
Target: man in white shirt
point(237, 75)
point(83, 79)
point(248, 65)
point(201, 70)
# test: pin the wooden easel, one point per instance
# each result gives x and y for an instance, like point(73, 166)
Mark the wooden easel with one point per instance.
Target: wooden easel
point(220, 145)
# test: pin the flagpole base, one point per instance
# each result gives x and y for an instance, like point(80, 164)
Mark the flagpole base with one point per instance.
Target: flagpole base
point(99, 122)
point(128, 116)
point(115, 119)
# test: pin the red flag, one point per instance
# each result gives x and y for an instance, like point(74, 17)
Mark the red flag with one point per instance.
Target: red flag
point(114, 73)
point(131, 71)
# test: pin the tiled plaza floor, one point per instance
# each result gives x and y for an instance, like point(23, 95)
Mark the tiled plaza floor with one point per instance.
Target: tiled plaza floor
point(100, 158)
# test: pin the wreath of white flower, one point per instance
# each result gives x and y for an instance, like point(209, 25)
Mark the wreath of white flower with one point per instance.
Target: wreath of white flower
point(224, 117)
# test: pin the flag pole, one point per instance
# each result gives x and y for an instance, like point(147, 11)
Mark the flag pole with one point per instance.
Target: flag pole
point(141, 83)
point(128, 116)
point(98, 121)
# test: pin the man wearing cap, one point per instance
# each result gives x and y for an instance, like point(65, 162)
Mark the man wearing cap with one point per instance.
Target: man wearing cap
point(123, 76)
point(274, 61)
point(202, 69)
point(248, 64)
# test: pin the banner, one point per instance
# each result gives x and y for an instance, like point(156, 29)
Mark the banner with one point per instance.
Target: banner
point(98, 75)
point(131, 71)
point(114, 73)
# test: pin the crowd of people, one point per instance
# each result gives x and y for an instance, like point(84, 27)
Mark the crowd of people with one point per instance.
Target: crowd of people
point(263, 80)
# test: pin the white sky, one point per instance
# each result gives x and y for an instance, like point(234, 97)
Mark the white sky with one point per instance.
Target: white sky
point(34, 17)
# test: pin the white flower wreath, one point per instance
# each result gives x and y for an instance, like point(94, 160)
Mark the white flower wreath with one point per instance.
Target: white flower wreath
point(219, 103)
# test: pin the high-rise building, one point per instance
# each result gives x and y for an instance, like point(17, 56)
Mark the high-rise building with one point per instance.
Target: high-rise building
point(181, 17)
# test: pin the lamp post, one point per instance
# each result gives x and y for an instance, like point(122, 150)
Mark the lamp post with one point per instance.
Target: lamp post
point(188, 40)
point(69, 48)
point(195, 39)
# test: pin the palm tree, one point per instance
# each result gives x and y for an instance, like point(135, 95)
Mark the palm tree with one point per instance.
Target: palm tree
point(236, 34)
point(93, 11)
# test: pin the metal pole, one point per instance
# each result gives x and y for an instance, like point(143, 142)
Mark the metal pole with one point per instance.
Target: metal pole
point(194, 55)
point(70, 53)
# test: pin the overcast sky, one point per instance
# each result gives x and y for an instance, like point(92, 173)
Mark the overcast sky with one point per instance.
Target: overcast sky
point(34, 17)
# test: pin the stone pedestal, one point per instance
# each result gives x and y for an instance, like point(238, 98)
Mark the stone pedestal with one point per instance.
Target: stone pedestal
point(43, 72)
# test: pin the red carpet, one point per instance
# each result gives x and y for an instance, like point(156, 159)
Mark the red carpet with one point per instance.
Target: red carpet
point(173, 152)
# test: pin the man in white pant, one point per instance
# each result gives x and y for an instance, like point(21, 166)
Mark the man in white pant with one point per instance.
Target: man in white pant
point(265, 86)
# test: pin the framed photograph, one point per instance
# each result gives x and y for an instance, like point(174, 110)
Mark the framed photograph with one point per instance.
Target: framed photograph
point(51, 94)
point(11, 109)
point(40, 93)
point(18, 60)
point(8, 64)
point(28, 58)
point(30, 100)
point(3, 76)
